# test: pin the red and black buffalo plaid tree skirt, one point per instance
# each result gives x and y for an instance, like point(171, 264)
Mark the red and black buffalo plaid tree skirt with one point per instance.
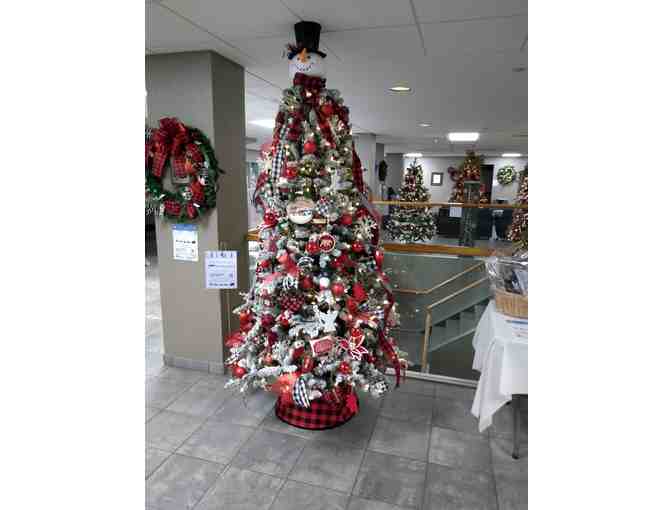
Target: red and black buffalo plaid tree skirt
point(321, 414)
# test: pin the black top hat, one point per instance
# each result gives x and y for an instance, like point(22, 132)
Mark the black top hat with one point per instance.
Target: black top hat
point(307, 37)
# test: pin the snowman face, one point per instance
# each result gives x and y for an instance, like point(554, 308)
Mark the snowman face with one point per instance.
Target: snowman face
point(310, 64)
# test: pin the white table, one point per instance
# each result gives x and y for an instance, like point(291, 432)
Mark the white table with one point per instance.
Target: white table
point(500, 345)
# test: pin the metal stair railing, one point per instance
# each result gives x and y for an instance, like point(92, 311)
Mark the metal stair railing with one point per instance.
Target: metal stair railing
point(428, 315)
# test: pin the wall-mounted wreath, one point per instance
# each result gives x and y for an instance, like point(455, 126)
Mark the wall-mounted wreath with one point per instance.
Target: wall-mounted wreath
point(187, 151)
point(454, 174)
point(506, 175)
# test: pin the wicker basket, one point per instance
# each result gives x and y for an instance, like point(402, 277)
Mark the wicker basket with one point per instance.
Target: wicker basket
point(511, 304)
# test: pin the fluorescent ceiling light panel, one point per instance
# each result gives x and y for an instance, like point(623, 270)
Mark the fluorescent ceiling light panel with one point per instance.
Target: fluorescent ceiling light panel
point(266, 123)
point(463, 137)
point(400, 88)
point(424, 124)
point(511, 155)
point(413, 155)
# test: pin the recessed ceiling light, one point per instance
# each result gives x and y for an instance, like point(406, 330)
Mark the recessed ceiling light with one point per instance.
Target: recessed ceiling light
point(462, 137)
point(266, 123)
point(413, 155)
point(424, 124)
point(511, 155)
point(400, 88)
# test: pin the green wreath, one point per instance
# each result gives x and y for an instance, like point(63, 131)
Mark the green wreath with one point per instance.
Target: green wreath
point(193, 163)
point(506, 175)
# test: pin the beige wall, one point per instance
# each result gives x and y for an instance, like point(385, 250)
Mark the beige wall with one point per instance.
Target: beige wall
point(206, 91)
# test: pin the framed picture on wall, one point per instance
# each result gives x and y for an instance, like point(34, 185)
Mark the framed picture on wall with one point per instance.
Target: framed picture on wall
point(437, 179)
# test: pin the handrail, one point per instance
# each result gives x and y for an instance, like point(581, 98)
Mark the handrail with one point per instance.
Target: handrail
point(455, 294)
point(431, 249)
point(439, 285)
point(428, 318)
point(464, 205)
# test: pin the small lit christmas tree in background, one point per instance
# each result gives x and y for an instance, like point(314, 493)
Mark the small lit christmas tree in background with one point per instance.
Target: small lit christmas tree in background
point(518, 229)
point(470, 170)
point(410, 224)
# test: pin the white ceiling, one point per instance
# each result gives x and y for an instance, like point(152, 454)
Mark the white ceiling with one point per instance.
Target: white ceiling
point(457, 55)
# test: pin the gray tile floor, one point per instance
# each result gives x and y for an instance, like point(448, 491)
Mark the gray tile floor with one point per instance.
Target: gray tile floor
point(417, 448)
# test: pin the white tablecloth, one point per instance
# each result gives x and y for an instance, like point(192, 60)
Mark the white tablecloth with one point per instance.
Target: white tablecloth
point(500, 343)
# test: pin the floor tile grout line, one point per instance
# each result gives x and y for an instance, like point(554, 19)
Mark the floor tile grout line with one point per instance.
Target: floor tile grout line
point(148, 476)
point(205, 493)
point(277, 494)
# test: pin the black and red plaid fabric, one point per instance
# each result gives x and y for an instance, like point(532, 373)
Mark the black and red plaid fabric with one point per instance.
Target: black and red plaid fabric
point(320, 415)
point(179, 164)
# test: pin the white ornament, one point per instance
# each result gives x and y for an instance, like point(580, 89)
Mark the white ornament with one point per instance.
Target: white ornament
point(301, 211)
point(327, 320)
point(310, 64)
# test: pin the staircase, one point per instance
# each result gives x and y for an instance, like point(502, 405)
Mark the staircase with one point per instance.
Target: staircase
point(438, 322)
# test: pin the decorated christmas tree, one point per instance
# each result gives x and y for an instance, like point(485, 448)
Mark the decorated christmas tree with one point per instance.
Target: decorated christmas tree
point(315, 326)
point(518, 229)
point(409, 224)
point(470, 170)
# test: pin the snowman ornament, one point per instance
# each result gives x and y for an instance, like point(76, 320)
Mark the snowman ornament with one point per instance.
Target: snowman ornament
point(305, 57)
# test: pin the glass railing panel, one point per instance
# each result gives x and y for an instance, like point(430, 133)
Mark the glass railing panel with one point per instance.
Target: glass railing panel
point(491, 224)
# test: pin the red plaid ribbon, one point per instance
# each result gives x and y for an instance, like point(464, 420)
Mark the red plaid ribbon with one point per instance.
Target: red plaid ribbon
point(197, 192)
point(320, 415)
point(171, 131)
point(309, 82)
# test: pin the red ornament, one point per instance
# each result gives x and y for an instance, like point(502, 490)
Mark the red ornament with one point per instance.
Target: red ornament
point(379, 256)
point(327, 109)
point(308, 364)
point(237, 371)
point(357, 246)
point(266, 263)
point(351, 305)
point(356, 334)
point(283, 319)
point(361, 212)
point(344, 368)
point(291, 172)
point(306, 283)
point(313, 247)
point(267, 320)
point(309, 147)
point(327, 243)
point(244, 317)
point(358, 292)
point(338, 289)
point(246, 327)
point(346, 219)
point(234, 340)
point(270, 219)
point(283, 257)
point(298, 352)
point(272, 338)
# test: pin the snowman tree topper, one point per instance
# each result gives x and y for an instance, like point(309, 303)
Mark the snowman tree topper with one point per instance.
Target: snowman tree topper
point(305, 57)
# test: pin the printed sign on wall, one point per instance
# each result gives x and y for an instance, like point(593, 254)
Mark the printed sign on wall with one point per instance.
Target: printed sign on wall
point(221, 269)
point(185, 242)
